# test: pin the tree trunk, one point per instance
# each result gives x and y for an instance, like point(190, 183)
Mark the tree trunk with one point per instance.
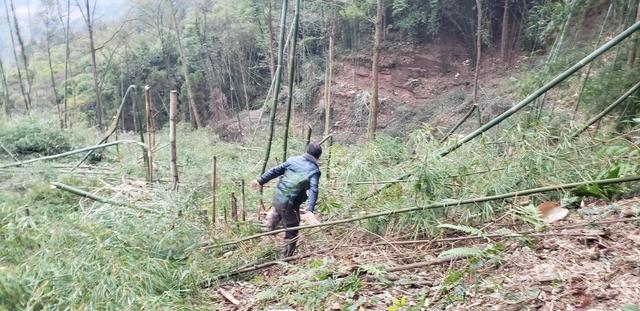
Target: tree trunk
point(327, 89)
point(195, 121)
point(373, 110)
point(292, 72)
point(66, 64)
point(23, 52)
point(504, 37)
point(88, 19)
point(53, 80)
point(5, 91)
point(25, 97)
point(278, 76)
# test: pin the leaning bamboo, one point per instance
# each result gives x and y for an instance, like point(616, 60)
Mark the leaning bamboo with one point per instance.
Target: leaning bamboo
point(61, 155)
point(112, 128)
point(173, 102)
point(437, 205)
point(292, 71)
point(149, 110)
point(607, 110)
point(309, 130)
point(561, 77)
point(214, 172)
point(274, 106)
point(466, 116)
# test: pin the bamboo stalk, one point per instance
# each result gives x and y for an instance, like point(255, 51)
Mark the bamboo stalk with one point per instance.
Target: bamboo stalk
point(214, 172)
point(274, 107)
point(327, 89)
point(112, 128)
point(9, 153)
point(423, 264)
point(438, 205)
point(62, 155)
point(586, 77)
point(325, 139)
point(149, 111)
point(561, 77)
point(607, 110)
point(292, 71)
point(243, 202)
point(466, 116)
point(85, 194)
point(173, 102)
point(234, 207)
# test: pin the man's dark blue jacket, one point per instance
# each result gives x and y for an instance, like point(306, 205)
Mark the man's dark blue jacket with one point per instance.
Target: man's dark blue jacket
point(299, 174)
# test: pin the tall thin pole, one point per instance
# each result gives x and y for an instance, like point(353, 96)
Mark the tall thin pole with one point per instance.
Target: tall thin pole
point(214, 185)
point(173, 102)
point(272, 116)
point(149, 110)
point(292, 71)
point(66, 64)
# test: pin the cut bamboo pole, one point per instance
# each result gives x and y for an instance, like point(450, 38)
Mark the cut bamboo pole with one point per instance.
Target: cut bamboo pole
point(292, 71)
point(561, 77)
point(66, 154)
point(243, 202)
point(173, 102)
point(149, 111)
point(85, 194)
point(234, 207)
point(213, 189)
point(607, 110)
point(437, 205)
point(9, 153)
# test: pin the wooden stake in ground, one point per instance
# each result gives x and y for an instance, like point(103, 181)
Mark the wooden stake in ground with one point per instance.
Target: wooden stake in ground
point(149, 110)
point(243, 202)
point(234, 207)
point(213, 189)
point(173, 103)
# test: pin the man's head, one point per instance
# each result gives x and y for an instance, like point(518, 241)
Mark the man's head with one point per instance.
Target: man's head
point(315, 150)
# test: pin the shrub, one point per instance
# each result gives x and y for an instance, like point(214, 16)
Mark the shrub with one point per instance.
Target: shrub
point(28, 137)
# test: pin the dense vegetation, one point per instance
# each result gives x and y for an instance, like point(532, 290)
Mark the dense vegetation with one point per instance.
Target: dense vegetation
point(159, 249)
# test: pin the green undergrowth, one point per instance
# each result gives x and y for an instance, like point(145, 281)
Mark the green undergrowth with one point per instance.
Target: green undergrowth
point(58, 251)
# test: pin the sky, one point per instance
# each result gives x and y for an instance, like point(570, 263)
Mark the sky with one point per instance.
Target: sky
point(29, 11)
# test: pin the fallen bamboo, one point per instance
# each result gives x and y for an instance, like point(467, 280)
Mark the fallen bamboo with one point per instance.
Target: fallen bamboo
point(243, 202)
point(62, 155)
point(532, 97)
point(173, 103)
point(112, 128)
point(229, 297)
point(435, 205)
point(325, 139)
point(521, 234)
point(421, 264)
point(395, 181)
point(607, 110)
point(85, 194)
point(9, 153)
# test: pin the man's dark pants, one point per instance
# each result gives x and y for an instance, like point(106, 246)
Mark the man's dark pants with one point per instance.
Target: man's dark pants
point(288, 214)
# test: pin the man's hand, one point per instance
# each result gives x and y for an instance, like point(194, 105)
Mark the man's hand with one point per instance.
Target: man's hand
point(309, 218)
point(255, 185)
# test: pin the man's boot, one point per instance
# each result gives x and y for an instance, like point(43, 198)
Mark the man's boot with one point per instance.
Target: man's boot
point(289, 247)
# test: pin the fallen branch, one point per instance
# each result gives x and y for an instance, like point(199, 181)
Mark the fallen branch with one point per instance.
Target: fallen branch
point(528, 233)
point(435, 205)
point(61, 155)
